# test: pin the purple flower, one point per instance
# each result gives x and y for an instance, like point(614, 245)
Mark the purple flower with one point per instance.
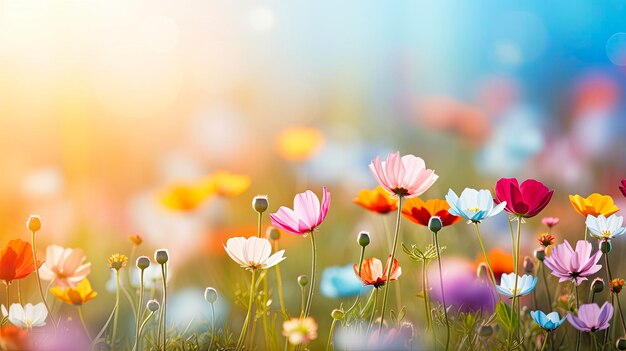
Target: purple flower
point(569, 264)
point(591, 318)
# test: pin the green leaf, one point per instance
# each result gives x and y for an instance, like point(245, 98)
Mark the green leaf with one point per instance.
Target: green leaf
point(506, 316)
point(401, 314)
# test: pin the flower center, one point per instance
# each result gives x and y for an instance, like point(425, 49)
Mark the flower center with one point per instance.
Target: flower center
point(473, 209)
point(607, 233)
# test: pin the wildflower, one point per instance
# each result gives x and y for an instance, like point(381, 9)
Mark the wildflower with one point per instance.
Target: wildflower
point(33, 223)
point(595, 204)
point(16, 260)
point(525, 285)
point(591, 317)
point(404, 176)
point(524, 200)
point(548, 322)
point(136, 239)
point(340, 281)
point(473, 205)
point(117, 261)
point(28, 316)
point(372, 272)
point(622, 188)
point(550, 221)
point(501, 261)
point(300, 331)
point(392, 339)
point(616, 285)
point(545, 239)
point(601, 227)
point(14, 338)
point(567, 263)
point(78, 296)
point(307, 213)
point(253, 253)
point(64, 267)
point(186, 196)
point(420, 212)
point(228, 184)
point(260, 203)
point(376, 200)
point(297, 144)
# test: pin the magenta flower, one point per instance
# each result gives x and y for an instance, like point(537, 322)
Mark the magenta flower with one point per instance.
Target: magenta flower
point(525, 200)
point(591, 318)
point(567, 264)
point(622, 187)
point(404, 176)
point(306, 215)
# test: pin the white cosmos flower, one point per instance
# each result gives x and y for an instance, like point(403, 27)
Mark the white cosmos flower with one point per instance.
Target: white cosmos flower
point(473, 205)
point(605, 228)
point(253, 253)
point(525, 284)
point(28, 316)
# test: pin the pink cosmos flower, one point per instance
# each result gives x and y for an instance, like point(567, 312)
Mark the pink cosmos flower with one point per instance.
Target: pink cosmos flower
point(622, 187)
point(404, 176)
point(526, 200)
point(591, 317)
point(568, 264)
point(306, 215)
point(550, 221)
point(64, 267)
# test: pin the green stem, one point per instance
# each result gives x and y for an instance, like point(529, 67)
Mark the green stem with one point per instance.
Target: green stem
point(138, 314)
point(545, 339)
point(517, 245)
point(577, 302)
point(43, 297)
point(117, 302)
point(302, 301)
point(309, 300)
point(359, 274)
point(443, 295)
point(425, 290)
point(545, 283)
point(82, 321)
point(330, 335)
point(143, 324)
point(212, 325)
point(482, 246)
point(164, 305)
point(586, 232)
point(244, 329)
point(391, 260)
point(265, 291)
point(279, 282)
point(369, 325)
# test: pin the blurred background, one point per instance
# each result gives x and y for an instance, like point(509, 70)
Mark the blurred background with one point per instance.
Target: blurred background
point(112, 111)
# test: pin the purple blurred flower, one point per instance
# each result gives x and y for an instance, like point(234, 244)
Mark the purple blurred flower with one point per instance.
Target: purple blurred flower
point(569, 264)
point(591, 318)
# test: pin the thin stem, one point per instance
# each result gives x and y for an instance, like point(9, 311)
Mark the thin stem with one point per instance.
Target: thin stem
point(302, 301)
point(443, 295)
point(545, 283)
point(82, 321)
point(482, 246)
point(359, 274)
point(212, 325)
point(279, 282)
point(6, 284)
point(369, 325)
point(265, 290)
point(143, 324)
point(43, 297)
point(619, 306)
point(244, 329)
point(117, 310)
point(577, 302)
point(595, 341)
point(164, 305)
point(545, 339)
point(309, 300)
point(425, 291)
point(391, 260)
point(586, 232)
point(517, 245)
point(19, 293)
point(330, 335)
point(140, 303)
point(104, 327)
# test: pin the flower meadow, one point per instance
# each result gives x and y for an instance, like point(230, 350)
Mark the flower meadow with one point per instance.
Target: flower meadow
point(564, 295)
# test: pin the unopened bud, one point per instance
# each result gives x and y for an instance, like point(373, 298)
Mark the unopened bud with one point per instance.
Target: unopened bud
point(34, 223)
point(363, 239)
point(272, 233)
point(540, 254)
point(153, 305)
point(338, 314)
point(303, 280)
point(529, 266)
point(620, 344)
point(143, 262)
point(606, 246)
point(435, 224)
point(210, 295)
point(485, 330)
point(482, 271)
point(260, 203)
point(597, 286)
point(161, 256)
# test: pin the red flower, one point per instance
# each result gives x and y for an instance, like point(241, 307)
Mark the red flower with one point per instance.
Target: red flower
point(420, 212)
point(622, 187)
point(16, 260)
point(372, 272)
point(525, 200)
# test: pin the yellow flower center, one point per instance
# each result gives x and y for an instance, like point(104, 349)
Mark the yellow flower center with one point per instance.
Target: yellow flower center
point(473, 209)
point(606, 233)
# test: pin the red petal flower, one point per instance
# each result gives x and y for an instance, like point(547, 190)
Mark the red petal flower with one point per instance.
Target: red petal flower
point(525, 200)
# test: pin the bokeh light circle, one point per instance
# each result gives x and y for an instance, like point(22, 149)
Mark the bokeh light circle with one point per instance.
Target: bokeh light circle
point(616, 49)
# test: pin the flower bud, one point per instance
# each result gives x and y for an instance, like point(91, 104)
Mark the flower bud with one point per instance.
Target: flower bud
point(143, 262)
point(136, 239)
point(482, 271)
point(303, 280)
point(260, 203)
point(540, 254)
point(272, 233)
point(34, 223)
point(606, 246)
point(210, 295)
point(616, 285)
point(621, 344)
point(338, 314)
point(597, 286)
point(485, 330)
point(435, 224)
point(153, 305)
point(363, 239)
point(161, 256)
point(529, 266)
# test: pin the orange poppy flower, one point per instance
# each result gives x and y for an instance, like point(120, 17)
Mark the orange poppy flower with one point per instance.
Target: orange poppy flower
point(372, 272)
point(14, 338)
point(75, 296)
point(420, 212)
point(501, 261)
point(595, 204)
point(376, 200)
point(16, 260)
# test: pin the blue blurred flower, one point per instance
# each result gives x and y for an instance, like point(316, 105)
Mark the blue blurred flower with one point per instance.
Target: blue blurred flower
point(548, 322)
point(340, 281)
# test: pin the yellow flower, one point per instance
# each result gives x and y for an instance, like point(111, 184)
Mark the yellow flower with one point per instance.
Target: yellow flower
point(117, 261)
point(75, 296)
point(298, 144)
point(136, 239)
point(229, 184)
point(186, 196)
point(595, 204)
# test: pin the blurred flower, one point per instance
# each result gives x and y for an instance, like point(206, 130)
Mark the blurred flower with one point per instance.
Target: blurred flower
point(591, 317)
point(253, 253)
point(186, 196)
point(548, 322)
point(622, 187)
point(300, 331)
point(545, 239)
point(64, 267)
point(376, 200)
point(372, 272)
point(616, 285)
point(16, 260)
point(567, 264)
point(136, 239)
point(550, 221)
point(13, 338)
point(152, 278)
point(298, 144)
point(420, 212)
point(306, 215)
point(392, 339)
point(595, 204)
point(340, 281)
point(404, 176)
point(229, 184)
point(78, 296)
point(601, 227)
point(28, 316)
point(501, 261)
point(33, 223)
point(473, 205)
point(525, 200)
point(525, 285)
point(117, 261)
